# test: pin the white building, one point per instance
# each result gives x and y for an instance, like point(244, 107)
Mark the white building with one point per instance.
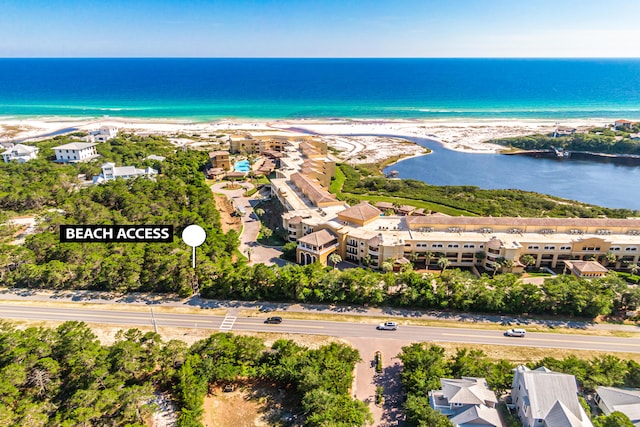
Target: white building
point(544, 398)
point(467, 402)
point(110, 172)
point(20, 153)
point(103, 134)
point(627, 401)
point(75, 152)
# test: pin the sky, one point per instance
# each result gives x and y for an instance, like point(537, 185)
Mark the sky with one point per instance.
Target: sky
point(329, 28)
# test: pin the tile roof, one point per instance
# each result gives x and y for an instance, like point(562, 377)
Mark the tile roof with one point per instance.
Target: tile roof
point(587, 266)
point(363, 211)
point(312, 190)
point(318, 238)
point(519, 222)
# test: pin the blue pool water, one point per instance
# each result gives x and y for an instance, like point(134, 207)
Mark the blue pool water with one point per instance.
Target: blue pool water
point(242, 166)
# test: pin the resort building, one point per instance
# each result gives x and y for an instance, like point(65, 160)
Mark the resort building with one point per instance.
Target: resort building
point(103, 134)
point(627, 401)
point(250, 145)
point(75, 152)
point(110, 172)
point(544, 398)
point(366, 235)
point(316, 247)
point(586, 269)
point(20, 153)
point(220, 160)
point(467, 402)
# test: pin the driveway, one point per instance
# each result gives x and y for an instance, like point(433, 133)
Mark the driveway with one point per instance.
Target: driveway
point(250, 226)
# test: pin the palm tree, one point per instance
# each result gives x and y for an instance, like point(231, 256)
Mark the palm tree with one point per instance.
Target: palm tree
point(634, 268)
point(528, 260)
point(610, 258)
point(387, 266)
point(259, 212)
point(248, 251)
point(427, 259)
point(443, 263)
point(335, 258)
point(480, 256)
point(508, 264)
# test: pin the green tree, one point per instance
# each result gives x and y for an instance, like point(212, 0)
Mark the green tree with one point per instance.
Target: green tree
point(615, 419)
point(334, 259)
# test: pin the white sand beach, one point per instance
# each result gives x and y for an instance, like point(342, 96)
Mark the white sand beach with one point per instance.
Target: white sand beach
point(354, 139)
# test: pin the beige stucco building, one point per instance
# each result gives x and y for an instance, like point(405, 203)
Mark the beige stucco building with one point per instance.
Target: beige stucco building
point(365, 235)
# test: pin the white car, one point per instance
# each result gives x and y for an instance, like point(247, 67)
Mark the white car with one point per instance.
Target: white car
point(387, 326)
point(515, 333)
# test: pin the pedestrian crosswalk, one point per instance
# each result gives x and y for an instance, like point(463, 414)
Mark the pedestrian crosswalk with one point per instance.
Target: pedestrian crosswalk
point(227, 323)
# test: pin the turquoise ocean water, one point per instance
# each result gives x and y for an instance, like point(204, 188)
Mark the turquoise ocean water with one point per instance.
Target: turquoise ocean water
point(209, 89)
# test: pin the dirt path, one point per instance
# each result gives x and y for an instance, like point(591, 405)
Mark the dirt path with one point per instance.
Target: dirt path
point(227, 221)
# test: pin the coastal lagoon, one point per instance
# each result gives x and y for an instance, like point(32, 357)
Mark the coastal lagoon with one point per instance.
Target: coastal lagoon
point(599, 183)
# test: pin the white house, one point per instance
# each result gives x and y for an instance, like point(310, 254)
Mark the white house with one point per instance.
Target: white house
point(627, 401)
point(75, 152)
point(103, 134)
point(467, 402)
point(20, 153)
point(110, 172)
point(544, 398)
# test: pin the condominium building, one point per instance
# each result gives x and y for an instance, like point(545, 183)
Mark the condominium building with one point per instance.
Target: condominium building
point(365, 235)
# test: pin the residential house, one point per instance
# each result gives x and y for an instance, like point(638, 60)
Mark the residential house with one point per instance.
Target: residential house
point(103, 134)
point(622, 124)
point(627, 401)
point(110, 172)
point(20, 153)
point(467, 402)
point(75, 152)
point(544, 398)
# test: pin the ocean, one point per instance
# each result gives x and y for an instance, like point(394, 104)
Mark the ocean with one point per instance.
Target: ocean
point(210, 89)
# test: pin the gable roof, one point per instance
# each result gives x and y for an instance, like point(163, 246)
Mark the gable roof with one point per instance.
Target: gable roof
point(363, 211)
point(561, 416)
point(21, 149)
point(622, 400)
point(316, 193)
point(467, 391)
point(542, 402)
point(478, 415)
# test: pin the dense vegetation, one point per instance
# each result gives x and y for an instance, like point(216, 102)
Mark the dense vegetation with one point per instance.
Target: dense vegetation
point(424, 365)
point(180, 197)
point(65, 377)
point(362, 184)
point(597, 140)
point(454, 290)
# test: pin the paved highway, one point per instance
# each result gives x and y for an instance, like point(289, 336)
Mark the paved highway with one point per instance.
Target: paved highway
point(128, 319)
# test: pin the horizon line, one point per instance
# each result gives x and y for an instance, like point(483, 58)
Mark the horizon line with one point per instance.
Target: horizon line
point(321, 57)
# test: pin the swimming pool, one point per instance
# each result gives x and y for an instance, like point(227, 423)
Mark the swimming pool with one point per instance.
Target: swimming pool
point(242, 166)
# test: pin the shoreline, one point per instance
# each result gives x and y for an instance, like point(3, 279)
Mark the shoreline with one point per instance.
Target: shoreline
point(360, 140)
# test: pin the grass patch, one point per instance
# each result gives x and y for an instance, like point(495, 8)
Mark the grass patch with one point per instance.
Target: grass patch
point(412, 202)
point(338, 182)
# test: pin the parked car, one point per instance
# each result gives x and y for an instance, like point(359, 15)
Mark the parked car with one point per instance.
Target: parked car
point(515, 333)
point(274, 319)
point(387, 326)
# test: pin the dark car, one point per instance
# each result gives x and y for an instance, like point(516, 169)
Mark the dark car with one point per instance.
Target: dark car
point(274, 319)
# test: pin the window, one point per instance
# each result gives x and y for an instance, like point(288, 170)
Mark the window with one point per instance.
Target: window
point(469, 246)
point(565, 248)
point(533, 247)
point(452, 245)
point(549, 248)
point(631, 249)
point(436, 245)
point(615, 249)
